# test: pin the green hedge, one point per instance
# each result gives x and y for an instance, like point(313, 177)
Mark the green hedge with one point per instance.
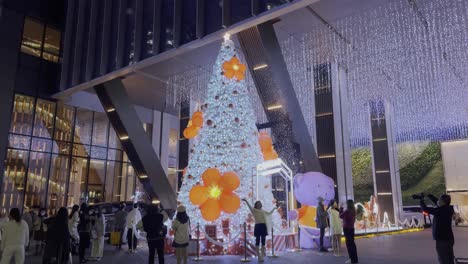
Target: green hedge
point(362, 174)
point(416, 170)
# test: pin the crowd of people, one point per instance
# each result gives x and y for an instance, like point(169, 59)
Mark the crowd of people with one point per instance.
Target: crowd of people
point(58, 237)
point(64, 234)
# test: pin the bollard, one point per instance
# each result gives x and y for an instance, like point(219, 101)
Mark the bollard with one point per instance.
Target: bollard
point(245, 259)
point(198, 258)
point(272, 245)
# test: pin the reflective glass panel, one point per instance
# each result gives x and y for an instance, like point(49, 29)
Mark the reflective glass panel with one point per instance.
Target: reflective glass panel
point(44, 119)
point(64, 121)
point(189, 18)
point(41, 144)
point(114, 182)
point(52, 45)
point(38, 172)
point(77, 186)
point(14, 179)
point(58, 181)
point(96, 181)
point(22, 116)
point(167, 25)
point(100, 129)
point(61, 147)
point(98, 152)
point(81, 150)
point(83, 126)
point(19, 142)
point(33, 32)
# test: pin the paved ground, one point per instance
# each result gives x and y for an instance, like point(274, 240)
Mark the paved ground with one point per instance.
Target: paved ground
point(405, 248)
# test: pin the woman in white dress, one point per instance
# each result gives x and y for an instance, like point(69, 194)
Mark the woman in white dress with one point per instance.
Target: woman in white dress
point(336, 228)
point(98, 231)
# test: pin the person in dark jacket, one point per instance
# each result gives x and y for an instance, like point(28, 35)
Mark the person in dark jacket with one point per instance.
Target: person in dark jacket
point(57, 249)
point(322, 217)
point(442, 227)
point(119, 224)
point(84, 229)
point(155, 233)
point(349, 218)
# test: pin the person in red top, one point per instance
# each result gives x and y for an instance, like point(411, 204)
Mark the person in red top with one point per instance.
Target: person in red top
point(349, 217)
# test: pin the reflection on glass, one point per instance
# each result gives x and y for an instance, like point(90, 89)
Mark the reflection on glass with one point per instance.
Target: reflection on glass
point(17, 141)
point(189, 13)
point(44, 119)
point(114, 154)
point(147, 40)
point(84, 122)
point(129, 174)
point(58, 181)
point(32, 37)
point(98, 152)
point(81, 150)
point(96, 179)
point(14, 179)
point(38, 172)
point(41, 144)
point(100, 129)
point(22, 116)
point(64, 122)
point(114, 141)
point(61, 147)
point(114, 182)
point(77, 187)
point(167, 25)
point(51, 45)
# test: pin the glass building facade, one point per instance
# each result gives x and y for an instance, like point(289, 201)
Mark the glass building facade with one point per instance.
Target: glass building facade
point(59, 155)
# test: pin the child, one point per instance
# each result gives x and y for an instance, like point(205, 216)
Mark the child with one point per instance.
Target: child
point(260, 229)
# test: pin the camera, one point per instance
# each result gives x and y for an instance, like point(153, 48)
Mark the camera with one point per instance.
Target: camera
point(419, 196)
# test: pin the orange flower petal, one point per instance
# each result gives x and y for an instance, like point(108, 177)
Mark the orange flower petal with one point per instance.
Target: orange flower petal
point(229, 202)
point(229, 73)
point(211, 176)
point(227, 65)
point(240, 76)
point(210, 210)
point(198, 194)
point(235, 60)
point(230, 181)
point(242, 68)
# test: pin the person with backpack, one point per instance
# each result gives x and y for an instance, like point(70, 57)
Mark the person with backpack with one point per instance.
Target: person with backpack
point(15, 237)
point(155, 233)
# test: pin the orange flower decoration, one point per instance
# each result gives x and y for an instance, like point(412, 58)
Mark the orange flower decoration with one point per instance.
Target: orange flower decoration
point(216, 194)
point(266, 145)
point(194, 125)
point(234, 68)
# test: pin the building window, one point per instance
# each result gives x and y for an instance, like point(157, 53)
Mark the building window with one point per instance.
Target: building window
point(40, 40)
point(59, 155)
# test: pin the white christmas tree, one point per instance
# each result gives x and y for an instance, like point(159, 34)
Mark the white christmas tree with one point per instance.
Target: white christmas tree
point(228, 142)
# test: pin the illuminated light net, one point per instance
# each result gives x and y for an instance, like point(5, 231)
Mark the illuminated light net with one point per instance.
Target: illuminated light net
point(219, 144)
point(413, 57)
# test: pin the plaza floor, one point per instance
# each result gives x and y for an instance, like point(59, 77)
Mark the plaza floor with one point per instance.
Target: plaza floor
point(408, 248)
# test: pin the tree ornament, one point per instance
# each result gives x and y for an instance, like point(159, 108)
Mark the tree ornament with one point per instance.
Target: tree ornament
point(216, 194)
point(236, 120)
point(230, 105)
point(209, 122)
point(234, 69)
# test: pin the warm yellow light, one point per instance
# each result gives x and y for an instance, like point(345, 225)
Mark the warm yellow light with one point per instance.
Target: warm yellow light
point(155, 202)
point(235, 67)
point(123, 137)
point(261, 66)
point(214, 191)
point(110, 110)
point(273, 107)
point(227, 36)
point(143, 176)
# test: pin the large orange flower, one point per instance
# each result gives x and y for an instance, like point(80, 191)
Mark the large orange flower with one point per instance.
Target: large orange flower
point(216, 194)
point(233, 68)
